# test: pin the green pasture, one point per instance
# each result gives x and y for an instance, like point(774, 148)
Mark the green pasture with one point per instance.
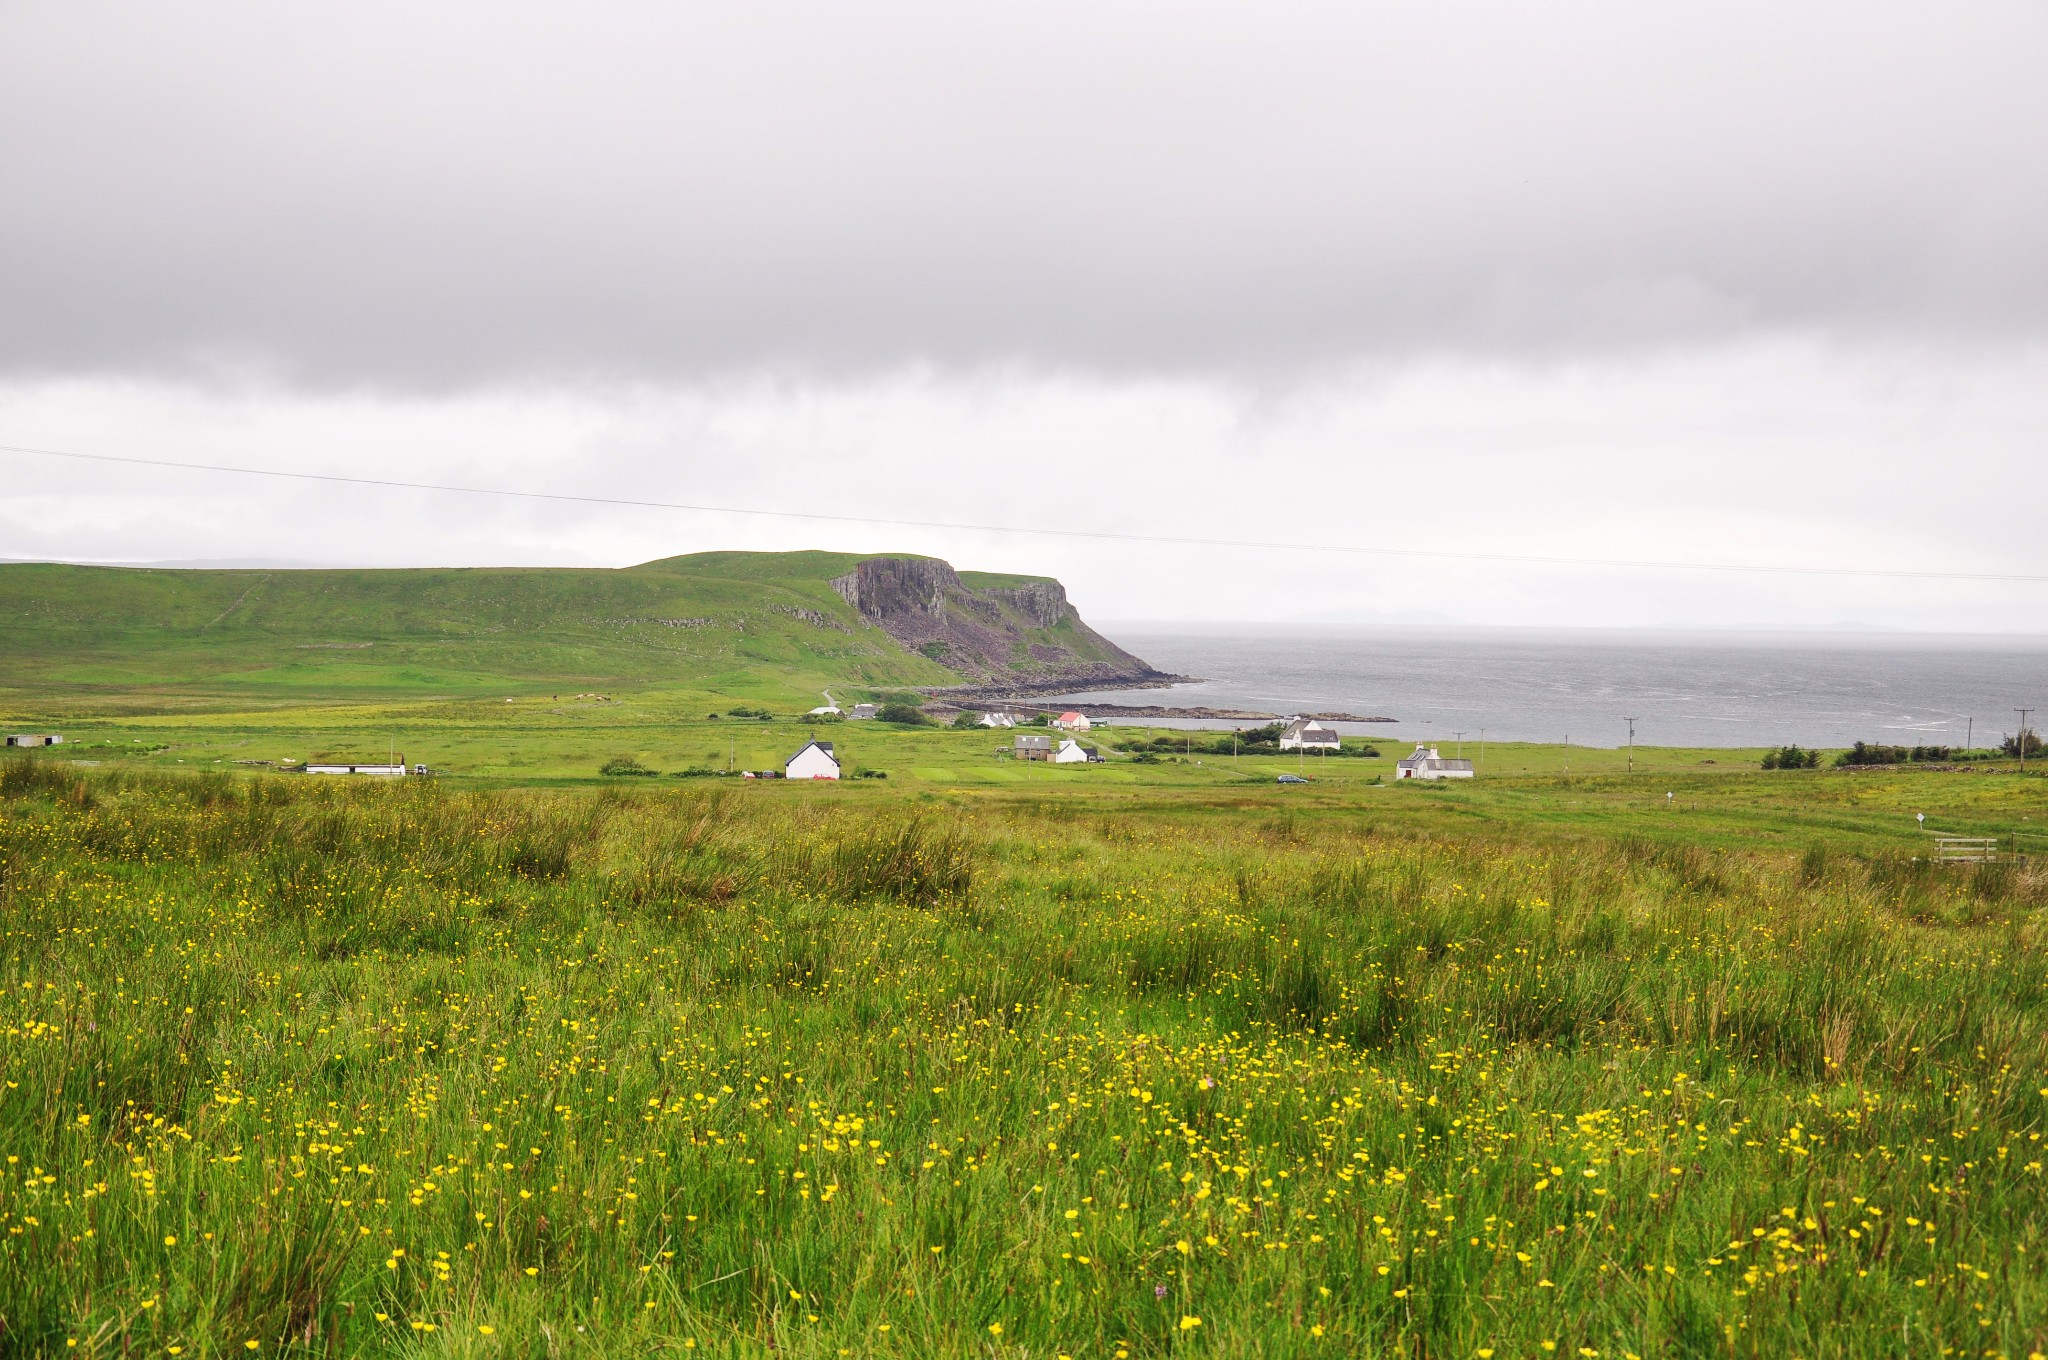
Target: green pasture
point(1599, 1054)
point(1715, 795)
point(1166, 1064)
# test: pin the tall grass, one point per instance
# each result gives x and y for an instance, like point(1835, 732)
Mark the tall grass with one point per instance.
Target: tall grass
point(339, 1070)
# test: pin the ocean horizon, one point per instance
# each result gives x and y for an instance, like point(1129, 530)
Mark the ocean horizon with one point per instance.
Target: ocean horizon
point(1684, 687)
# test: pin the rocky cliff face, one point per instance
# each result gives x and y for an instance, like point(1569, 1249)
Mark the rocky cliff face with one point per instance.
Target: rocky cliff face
point(1028, 634)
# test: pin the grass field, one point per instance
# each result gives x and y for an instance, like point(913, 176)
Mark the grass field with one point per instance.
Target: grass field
point(960, 1064)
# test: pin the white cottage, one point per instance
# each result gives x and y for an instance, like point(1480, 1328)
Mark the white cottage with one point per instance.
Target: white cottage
point(1071, 752)
point(1072, 722)
point(997, 720)
point(814, 761)
point(1306, 734)
point(863, 711)
point(1427, 764)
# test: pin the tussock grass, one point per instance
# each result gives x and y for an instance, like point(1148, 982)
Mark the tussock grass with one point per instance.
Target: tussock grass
point(349, 1070)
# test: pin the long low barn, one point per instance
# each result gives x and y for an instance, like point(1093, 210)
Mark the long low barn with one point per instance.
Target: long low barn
point(324, 767)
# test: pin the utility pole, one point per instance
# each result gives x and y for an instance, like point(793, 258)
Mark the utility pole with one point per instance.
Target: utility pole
point(1631, 745)
point(2022, 738)
point(1969, 733)
point(1460, 735)
point(1482, 750)
point(1567, 755)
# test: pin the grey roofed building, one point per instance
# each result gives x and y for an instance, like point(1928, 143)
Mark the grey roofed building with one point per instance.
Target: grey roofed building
point(1425, 763)
point(1306, 734)
point(1032, 746)
point(862, 711)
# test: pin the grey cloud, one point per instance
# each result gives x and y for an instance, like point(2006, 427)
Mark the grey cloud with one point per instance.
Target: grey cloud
point(411, 195)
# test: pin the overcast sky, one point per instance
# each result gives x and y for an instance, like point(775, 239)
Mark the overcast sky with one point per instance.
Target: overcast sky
point(1730, 282)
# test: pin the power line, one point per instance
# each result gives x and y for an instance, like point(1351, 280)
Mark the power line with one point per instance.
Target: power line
point(1107, 535)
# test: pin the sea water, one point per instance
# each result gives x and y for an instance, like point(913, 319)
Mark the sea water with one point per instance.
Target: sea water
point(1683, 689)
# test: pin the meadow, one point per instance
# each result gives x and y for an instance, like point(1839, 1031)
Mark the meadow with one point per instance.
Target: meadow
point(1185, 1065)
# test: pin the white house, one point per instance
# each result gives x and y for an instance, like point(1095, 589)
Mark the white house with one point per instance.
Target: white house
point(862, 711)
point(35, 739)
point(1071, 752)
point(1032, 746)
point(825, 711)
point(1072, 722)
point(1427, 764)
point(997, 720)
point(1306, 734)
point(814, 761)
point(333, 767)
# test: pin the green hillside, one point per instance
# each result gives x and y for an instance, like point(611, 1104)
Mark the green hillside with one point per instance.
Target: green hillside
point(766, 623)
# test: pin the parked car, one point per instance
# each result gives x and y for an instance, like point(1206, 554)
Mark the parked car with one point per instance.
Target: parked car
point(1291, 779)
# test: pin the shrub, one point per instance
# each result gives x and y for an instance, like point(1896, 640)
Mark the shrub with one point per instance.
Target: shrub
point(1791, 758)
point(897, 712)
point(1866, 753)
point(2027, 743)
point(624, 765)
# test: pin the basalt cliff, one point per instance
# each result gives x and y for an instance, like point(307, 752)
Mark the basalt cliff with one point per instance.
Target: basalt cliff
point(1017, 632)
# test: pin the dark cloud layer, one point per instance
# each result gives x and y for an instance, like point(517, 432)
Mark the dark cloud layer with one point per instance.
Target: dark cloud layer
point(406, 195)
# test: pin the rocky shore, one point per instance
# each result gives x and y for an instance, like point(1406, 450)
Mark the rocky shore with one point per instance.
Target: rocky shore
point(953, 700)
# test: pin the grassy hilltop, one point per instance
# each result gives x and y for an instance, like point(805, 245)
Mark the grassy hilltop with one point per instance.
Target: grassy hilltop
point(768, 625)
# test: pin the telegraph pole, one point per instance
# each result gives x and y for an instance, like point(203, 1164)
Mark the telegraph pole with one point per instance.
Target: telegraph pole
point(1460, 735)
point(1482, 749)
point(1631, 745)
point(1567, 755)
point(2022, 738)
